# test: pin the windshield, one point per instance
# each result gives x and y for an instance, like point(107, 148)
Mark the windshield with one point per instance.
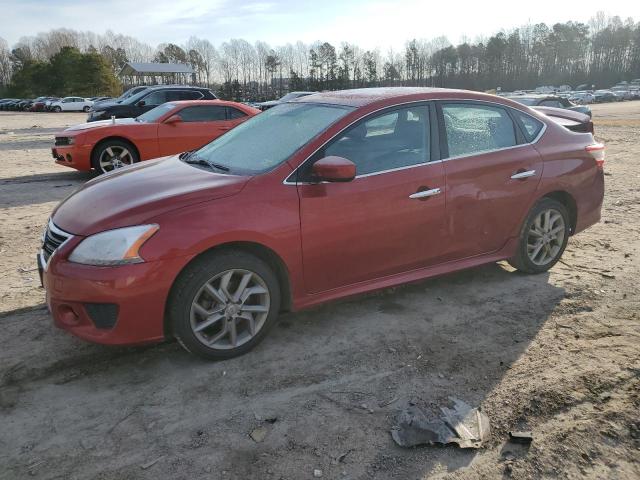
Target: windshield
point(155, 113)
point(268, 139)
point(130, 100)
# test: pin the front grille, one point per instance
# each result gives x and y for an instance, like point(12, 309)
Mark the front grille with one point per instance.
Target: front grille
point(53, 238)
point(62, 141)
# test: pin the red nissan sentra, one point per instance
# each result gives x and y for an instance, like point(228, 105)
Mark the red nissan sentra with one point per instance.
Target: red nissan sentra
point(170, 128)
point(330, 195)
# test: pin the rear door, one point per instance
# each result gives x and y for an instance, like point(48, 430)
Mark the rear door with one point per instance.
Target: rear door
point(390, 219)
point(492, 172)
point(200, 124)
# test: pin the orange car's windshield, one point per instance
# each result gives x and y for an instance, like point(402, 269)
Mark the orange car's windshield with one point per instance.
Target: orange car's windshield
point(155, 113)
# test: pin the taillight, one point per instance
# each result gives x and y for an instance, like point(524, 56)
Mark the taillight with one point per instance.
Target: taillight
point(597, 152)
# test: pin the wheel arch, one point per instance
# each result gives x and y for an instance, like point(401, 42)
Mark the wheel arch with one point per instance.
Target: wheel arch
point(566, 199)
point(110, 138)
point(259, 250)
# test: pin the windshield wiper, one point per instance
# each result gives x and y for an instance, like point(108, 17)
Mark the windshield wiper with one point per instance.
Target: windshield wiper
point(195, 160)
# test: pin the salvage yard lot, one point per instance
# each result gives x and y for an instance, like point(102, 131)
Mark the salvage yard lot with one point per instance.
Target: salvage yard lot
point(557, 354)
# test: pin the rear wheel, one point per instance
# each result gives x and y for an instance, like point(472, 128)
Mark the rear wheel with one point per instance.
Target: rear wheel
point(223, 304)
point(113, 154)
point(543, 237)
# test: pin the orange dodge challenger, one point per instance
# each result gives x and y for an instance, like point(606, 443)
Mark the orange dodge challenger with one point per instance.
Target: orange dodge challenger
point(168, 129)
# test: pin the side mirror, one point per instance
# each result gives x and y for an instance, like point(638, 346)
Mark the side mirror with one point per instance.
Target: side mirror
point(173, 119)
point(140, 103)
point(334, 169)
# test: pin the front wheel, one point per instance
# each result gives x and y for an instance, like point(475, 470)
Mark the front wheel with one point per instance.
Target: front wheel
point(113, 154)
point(223, 304)
point(543, 237)
point(57, 109)
point(86, 109)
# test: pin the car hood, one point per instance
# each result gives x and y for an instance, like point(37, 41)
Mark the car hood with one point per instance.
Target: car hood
point(102, 124)
point(106, 104)
point(270, 103)
point(136, 194)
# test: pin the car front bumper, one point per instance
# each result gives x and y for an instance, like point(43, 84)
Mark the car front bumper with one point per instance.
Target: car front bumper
point(120, 305)
point(74, 156)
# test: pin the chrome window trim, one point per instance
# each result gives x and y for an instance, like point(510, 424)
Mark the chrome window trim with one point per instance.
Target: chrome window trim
point(286, 181)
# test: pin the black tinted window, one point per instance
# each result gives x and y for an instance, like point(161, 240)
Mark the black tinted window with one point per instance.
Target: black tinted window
point(474, 128)
point(531, 127)
point(205, 113)
point(184, 95)
point(156, 98)
point(234, 113)
point(395, 139)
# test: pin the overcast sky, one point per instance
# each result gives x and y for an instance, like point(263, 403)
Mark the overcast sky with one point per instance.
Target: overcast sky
point(369, 23)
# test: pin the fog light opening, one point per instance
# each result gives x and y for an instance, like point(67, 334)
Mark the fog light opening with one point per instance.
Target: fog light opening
point(67, 315)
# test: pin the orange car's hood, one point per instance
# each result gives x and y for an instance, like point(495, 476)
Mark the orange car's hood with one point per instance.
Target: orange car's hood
point(133, 195)
point(102, 124)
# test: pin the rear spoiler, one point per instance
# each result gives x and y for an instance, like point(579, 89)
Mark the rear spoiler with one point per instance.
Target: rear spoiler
point(570, 119)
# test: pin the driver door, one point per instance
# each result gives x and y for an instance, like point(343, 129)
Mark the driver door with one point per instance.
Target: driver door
point(388, 220)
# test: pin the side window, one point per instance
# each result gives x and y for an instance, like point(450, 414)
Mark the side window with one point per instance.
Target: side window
point(185, 95)
point(234, 113)
point(472, 128)
point(395, 139)
point(205, 113)
point(155, 98)
point(531, 127)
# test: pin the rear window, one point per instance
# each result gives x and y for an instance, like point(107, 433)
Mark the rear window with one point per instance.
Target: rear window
point(531, 127)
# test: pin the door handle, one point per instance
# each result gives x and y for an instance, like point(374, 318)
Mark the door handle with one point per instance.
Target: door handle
point(521, 175)
point(425, 193)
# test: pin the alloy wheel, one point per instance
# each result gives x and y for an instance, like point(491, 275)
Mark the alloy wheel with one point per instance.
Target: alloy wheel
point(230, 309)
point(114, 157)
point(545, 237)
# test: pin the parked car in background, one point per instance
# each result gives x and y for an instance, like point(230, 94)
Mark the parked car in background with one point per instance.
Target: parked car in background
point(582, 98)
point(38, 104)
point(287, 98)
point(605, 96)
point(9, 103)
point(569, 119)
point(550, 101)
point(49, 102)
point(71, 104)
point(168, 129)
point(623, 92)
point(146, 100)
point(331, 195)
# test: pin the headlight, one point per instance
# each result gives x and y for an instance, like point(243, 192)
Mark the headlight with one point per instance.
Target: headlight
point(113, 247)
point(99, 113)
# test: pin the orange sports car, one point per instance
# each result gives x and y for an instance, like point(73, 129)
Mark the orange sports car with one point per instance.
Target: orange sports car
point(168, 129)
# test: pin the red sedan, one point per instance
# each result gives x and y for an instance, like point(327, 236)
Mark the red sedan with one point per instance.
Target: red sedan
point(323, 197)
point(165, 130)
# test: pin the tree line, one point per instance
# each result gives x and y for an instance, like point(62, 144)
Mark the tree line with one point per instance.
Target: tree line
point(601, 52)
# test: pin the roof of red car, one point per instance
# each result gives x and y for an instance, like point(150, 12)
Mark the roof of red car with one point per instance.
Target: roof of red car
point(365, 96)
point(213, 102)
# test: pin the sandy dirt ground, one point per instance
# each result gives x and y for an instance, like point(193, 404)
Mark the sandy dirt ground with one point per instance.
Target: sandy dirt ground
point(557, 354)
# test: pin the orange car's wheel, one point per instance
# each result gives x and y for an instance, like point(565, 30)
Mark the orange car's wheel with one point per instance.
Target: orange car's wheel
point(113, 154)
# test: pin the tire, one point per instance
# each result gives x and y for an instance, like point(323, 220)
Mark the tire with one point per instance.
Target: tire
point(57, 109)
point(113, 154)
point(540, 246)
point(86, 109)
point(206, 275)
